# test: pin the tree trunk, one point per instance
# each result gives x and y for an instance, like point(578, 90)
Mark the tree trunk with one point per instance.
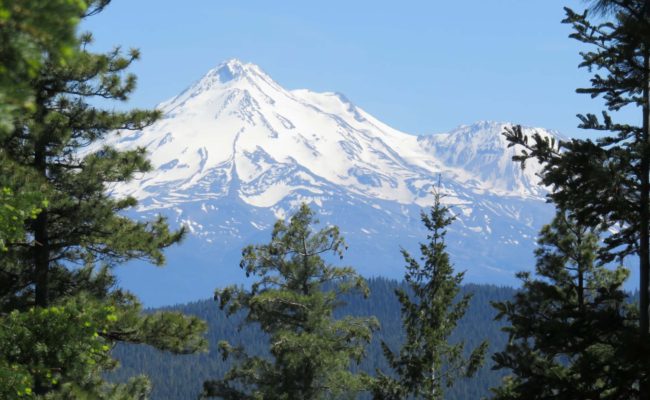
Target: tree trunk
point(41, 253)
point(644, 240)
point(41, 248)
point(41, 260)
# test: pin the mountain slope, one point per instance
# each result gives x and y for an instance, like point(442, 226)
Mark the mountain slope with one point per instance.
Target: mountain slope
point(235, 151)
point(482, 151)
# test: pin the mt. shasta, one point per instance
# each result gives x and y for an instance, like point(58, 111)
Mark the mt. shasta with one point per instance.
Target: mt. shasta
point(235, 151)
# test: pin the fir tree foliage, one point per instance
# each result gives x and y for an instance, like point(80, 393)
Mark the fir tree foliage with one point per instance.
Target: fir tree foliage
point(427, 362)
point(66, 336)
point(60, 270)
point(600, 180)
point(292, 300)
point(30, 31)
point(572, 330)
point(81, 222)
point(606, 182)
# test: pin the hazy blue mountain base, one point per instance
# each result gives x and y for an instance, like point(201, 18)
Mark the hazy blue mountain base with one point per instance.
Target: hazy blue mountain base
point(181, 377)
point(374, 230)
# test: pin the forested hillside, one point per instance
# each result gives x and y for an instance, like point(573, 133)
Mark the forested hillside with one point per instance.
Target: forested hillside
point(181, 377)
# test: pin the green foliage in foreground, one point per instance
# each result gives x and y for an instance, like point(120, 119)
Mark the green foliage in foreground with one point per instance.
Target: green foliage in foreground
point(292, 301)
point(427, 363)
point(31, 32)
point(14, 209)
point(604, 183)
point(572, 333)
point(68, 338)
point(60, 231)
point(572, 328)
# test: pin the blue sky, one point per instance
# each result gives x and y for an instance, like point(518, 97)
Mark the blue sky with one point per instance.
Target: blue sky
point(420, 66)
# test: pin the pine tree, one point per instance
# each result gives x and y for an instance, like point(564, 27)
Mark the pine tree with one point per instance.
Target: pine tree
point(29, 29)
point(293, 300)
point(571, 333)
point(427, 363)
point(59, 275)
point(606, 182)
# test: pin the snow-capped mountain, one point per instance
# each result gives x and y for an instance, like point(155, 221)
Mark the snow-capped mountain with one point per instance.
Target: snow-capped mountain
point(482, 151)
point(235, 151)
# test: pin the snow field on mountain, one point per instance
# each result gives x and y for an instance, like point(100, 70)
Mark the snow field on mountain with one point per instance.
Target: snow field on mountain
point(235, 151)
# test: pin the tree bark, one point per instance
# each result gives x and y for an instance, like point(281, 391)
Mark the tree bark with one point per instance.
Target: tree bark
point(41, 248)
point(41, 252)
point(644, 214)
point(41, 260)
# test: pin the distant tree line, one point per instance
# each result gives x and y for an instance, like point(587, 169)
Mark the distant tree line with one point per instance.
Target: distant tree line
point(181, 377)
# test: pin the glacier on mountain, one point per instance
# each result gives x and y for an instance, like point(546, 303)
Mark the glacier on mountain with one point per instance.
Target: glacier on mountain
point(235, 151)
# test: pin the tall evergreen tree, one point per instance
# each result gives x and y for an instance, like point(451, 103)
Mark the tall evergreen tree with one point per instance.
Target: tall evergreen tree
point(427, 362)
point(60, 275)
point(29, 30)
point(606, 182)
point(571, 332)
point(293, 302)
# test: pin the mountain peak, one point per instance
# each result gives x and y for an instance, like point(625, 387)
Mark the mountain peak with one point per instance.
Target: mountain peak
point(228, 70)
point(232, 73)
point(233, 69)
point(235, 151)
point(239, 127)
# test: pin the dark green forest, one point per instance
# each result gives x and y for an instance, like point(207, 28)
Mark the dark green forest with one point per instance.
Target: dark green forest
point(181, 377)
